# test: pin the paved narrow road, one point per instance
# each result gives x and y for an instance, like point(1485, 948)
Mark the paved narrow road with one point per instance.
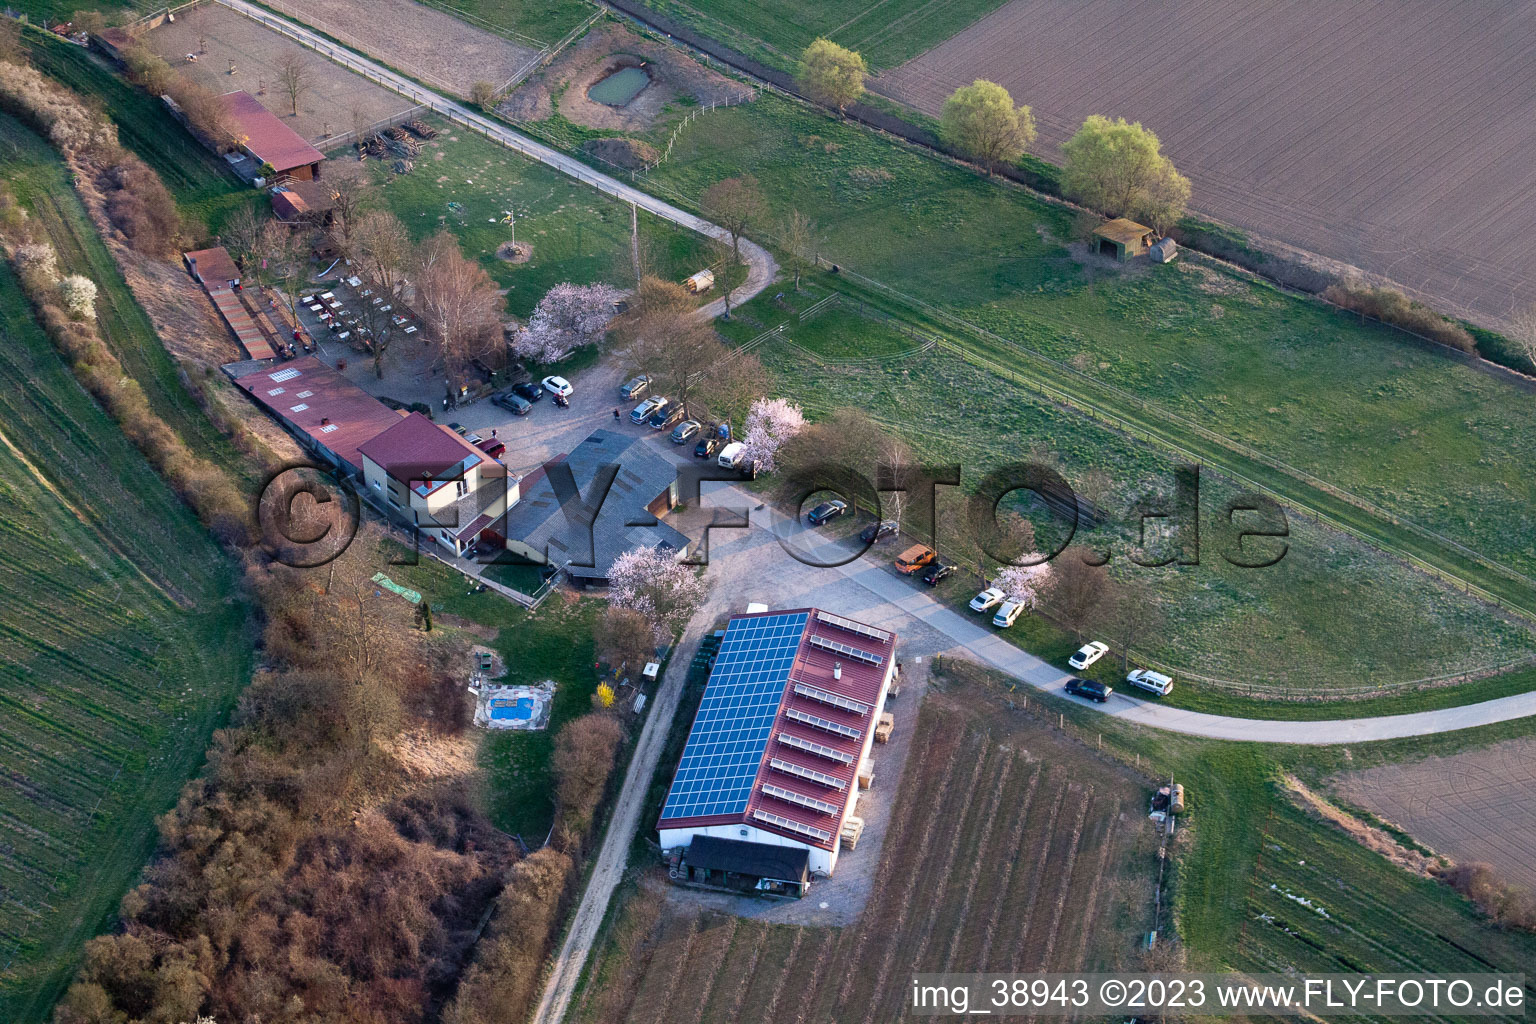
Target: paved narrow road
point(761, 267)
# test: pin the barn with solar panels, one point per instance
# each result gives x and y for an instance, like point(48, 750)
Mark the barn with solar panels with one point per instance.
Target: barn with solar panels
point(775, 754)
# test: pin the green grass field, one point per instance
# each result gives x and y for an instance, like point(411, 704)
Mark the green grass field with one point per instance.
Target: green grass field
point(1302, 623)
point(123, 648)
point(577, 234)
point(1208, 360)
point(205, 191)
point(40, 182)
point(886, 32)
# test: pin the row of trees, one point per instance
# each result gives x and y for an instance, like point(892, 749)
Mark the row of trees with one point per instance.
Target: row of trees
point(1111, 165)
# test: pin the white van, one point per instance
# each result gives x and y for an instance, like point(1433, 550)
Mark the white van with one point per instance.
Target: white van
point(1152, 682)
point(730, 455)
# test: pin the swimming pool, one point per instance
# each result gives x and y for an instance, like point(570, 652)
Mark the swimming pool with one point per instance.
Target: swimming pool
point(620, 87)
point(519, 709)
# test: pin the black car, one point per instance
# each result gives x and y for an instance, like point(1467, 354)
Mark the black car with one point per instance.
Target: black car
point(664, 417)
point(1090, 689)
point(531, 390)
point(937, 572)
point(826, 511)
point(879, 531)
point(707, 446)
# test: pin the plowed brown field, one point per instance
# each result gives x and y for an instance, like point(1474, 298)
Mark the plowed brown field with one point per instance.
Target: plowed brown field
point(1394, 136)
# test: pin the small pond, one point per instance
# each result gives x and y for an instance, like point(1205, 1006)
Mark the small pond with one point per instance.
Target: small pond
point(620, 87)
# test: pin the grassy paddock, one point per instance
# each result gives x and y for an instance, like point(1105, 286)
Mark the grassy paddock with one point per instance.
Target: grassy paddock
point(1300, 623)
point(577, 234)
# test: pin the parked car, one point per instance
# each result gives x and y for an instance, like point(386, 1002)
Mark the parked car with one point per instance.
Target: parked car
point(1087, 654)
point(915, 558)
point(529, 390)
point(664, 417)
point(987, 599)
point(1008, 613)
point(494, 448)
point(684, 431)
point(826, 511)
point(707, 446)
point(392, 403)
point(879, 531)
point(473, 438)
point(515, 404)
point(642, 412)
point(1153, 682)
point(936, 572)
point(458, 428)
point(730, 455)
point(1090, 689)
point(558, 386)
point(634, 387)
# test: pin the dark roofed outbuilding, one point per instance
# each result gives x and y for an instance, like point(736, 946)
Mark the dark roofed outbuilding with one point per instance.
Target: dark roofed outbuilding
point(735, 864)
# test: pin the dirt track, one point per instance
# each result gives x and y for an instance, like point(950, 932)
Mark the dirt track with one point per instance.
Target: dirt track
point(1390, 136)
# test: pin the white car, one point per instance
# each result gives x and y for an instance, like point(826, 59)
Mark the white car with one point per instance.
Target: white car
point(1087, 654)
point(1153, 682)
point(989, 598)
point(558, 386)
point(1008, 614)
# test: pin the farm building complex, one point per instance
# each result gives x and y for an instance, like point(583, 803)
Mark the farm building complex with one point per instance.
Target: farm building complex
point(778, 749)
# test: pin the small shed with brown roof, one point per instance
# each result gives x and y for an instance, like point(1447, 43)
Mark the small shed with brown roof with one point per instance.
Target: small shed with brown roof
point(1121, 238)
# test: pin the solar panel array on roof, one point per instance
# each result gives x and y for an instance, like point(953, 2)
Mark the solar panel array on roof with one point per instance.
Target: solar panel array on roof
point(838, 647)
point(812, 747)
point(736, 716)
point(801, 771)
point(800, 799)
point(817, 722)
point(878, 635)
point(779, 821)
point(831, 699)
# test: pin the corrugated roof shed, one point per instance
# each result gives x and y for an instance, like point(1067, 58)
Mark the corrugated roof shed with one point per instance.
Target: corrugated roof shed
point(1126, 232)
point(266, 136)
point(759, 860)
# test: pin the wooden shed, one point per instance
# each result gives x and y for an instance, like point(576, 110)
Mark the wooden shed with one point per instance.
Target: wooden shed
point(1123, 239)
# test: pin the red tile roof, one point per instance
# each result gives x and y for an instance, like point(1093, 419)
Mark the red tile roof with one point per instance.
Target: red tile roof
point(814, 714)
point(266, 136)
point(337, 413)
point(213, 267)
point(416, 449)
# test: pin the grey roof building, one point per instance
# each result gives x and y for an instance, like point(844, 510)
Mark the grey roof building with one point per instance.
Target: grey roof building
point(644, 485)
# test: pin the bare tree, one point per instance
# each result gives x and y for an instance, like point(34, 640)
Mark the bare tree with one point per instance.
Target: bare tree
point(735, 204)
point(1129, 618)
point(241, 238)
point(293, 77)
point(1523, 332)
point(382, 251)
point(625, 638)
point(282, 262)
point(799, 244)
point(664, 337)
point(460, 303)
point(1081, 589)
